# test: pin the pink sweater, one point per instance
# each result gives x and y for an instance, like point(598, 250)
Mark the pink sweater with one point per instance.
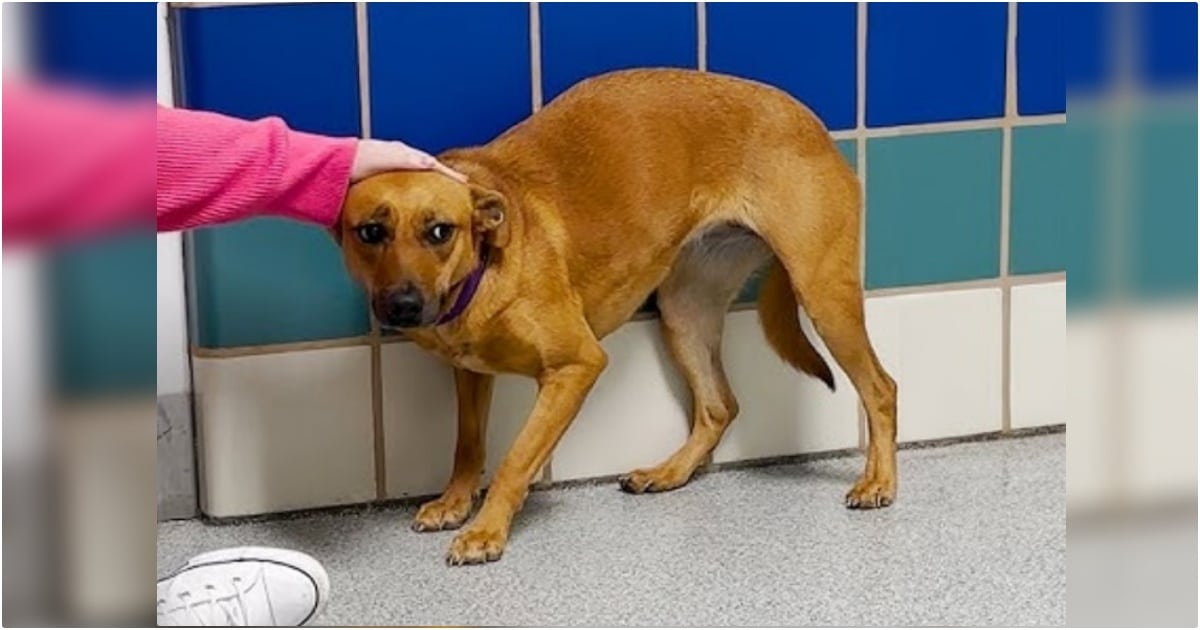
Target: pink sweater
point(76, 165)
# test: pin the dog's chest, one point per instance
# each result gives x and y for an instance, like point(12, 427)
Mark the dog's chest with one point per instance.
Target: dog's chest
point(462, 355)
point(473, 362)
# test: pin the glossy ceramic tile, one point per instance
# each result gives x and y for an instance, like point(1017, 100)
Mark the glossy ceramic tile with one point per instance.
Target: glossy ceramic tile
point(286, 431)
point(1037, 356)
point(943, 350)
point(933, 208)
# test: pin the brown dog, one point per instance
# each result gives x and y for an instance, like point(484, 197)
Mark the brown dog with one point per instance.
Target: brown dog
point(670, 180)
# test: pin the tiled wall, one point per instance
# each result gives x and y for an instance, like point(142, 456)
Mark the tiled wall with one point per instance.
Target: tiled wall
point(954, 116)
point(112, 352)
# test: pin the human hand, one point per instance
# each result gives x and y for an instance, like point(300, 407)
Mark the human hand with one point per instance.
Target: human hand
point(377, 156)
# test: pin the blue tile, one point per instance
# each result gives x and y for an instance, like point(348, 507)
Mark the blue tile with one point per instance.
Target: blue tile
point(935, 62)
point(581, 40)
point(1087, 60)
point(1167, 40)
point(298, 62)
point(1041, 87)
point(269, 280)
point(110, 45)
point(933, 208)
point(807, 49)
point(478, 86)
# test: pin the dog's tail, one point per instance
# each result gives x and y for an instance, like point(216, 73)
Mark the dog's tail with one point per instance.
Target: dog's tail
point(780, 318)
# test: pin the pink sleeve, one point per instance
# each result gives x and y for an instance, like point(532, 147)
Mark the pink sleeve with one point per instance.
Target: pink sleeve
point(74, 164)
point(77, 164)
point(215, 169)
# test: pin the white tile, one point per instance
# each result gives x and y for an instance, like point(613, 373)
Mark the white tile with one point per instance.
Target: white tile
point(285, 431)
point(783, 412)
point(943, 349)
point(1132, 400)
point(1037, 362)
point(635, 416)
point(1092, 418)
point(420, 419)
point(1159, 374)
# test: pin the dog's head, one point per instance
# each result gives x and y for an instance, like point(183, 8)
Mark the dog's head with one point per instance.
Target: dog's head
point(411, 237)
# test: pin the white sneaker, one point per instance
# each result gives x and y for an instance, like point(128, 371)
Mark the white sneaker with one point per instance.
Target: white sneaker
point(247, 586)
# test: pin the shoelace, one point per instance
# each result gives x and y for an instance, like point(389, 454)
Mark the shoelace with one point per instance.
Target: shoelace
point(233, 607)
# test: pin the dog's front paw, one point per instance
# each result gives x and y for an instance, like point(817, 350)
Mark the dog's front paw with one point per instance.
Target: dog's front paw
point(475, 545)
point(448, 511)
point(871, 492)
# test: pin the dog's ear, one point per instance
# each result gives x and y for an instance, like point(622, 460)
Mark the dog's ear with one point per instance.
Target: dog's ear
point(491, 216)
point(336, 232)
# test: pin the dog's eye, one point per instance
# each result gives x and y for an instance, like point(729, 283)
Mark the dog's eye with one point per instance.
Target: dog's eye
point(439, 233)
point(371, 233)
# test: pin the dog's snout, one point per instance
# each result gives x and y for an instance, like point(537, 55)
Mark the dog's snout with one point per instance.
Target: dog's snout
point(401, 308)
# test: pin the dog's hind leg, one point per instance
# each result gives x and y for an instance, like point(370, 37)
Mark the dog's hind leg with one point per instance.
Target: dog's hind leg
point(814, 231)
point(693, 301)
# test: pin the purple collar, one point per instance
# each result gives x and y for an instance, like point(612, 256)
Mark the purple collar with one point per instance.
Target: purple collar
point(469, 285)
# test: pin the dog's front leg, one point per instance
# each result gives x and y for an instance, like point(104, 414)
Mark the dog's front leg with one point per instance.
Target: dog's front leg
point(454, 506)
point(561, 392)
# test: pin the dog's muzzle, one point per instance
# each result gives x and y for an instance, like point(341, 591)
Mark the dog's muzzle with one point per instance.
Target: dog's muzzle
point(401, 308)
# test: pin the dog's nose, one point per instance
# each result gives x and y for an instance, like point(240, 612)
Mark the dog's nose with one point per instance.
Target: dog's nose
point(403, 308)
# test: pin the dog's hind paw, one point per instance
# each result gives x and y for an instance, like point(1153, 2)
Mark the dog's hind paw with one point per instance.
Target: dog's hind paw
point(445, 512)
point(652, 480)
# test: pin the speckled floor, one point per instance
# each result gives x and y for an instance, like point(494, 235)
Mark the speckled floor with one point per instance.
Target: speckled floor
point(977, 537)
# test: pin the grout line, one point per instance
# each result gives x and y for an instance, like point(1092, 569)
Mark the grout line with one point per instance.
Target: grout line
point(1038, 120)
point(364, 67)
point(987, 283)
point(377, 425)
point(535, 56)
point(860, 159)
point(218, 5)
point(379, 444)
point(369, 340)
point(965, 285)
point(1006, 153)
point(979, 124)
point(1035, 278)
point(1115, 226)
point(701, 37)
point(201, 352)
point(537, 96)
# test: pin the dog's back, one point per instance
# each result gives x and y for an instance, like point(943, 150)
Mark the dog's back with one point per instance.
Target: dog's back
point(634, 164)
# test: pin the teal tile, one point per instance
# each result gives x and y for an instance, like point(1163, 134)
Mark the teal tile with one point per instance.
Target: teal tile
point(1162, 217)
point(933, 208)
point(101, 311)
point(271, 281)
point(1038, 200)
point(849, 150)
point(1085, 198)
point(749, 292)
